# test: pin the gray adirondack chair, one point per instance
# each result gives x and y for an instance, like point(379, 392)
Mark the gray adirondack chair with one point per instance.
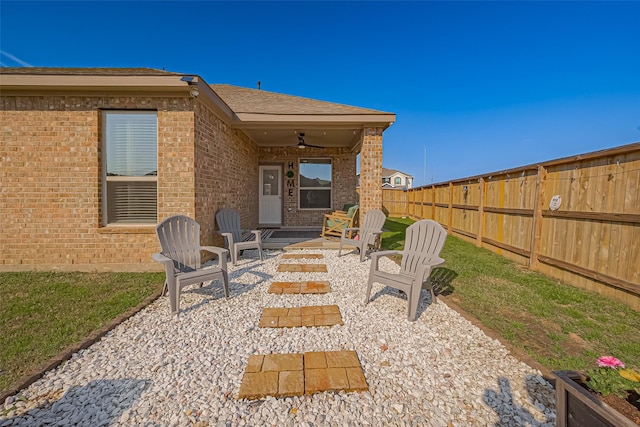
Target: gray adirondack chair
point(423, 243)
point(367, 234)
point(179, 238)
point(229, 226)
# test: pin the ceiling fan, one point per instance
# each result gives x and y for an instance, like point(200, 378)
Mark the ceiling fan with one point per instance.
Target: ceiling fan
point(302, 144)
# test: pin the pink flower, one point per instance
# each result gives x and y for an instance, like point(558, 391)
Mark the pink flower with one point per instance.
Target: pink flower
point(609, 362)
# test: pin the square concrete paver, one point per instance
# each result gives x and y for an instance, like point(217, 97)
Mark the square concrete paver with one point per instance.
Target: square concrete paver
point(313, 287)
point(295, 374)
point(302, 268)
point(302, 256)
point(318, 315)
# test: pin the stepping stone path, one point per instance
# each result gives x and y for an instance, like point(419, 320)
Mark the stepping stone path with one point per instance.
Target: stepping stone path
point(317, 287)
point(302, 268)
point(295, 374)
point(317, 315)
point(302, 256)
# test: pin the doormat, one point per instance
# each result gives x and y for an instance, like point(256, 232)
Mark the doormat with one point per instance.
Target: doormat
point(294, 234)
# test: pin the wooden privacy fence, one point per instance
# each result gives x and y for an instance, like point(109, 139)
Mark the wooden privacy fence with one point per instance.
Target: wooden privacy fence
point(592, 240)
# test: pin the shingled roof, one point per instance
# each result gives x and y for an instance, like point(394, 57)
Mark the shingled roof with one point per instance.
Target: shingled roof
point(245, 100)
point(243, 106)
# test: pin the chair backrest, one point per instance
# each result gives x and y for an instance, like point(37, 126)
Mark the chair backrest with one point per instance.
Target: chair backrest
point(228, 220)
point(424, 238)
point(352, 211)
point(373, 221)
point(179, 238)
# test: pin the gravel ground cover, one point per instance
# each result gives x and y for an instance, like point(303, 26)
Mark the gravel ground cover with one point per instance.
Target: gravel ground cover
point(156, 369)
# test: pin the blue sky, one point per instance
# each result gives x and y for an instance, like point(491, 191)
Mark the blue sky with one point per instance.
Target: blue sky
point(482, 86)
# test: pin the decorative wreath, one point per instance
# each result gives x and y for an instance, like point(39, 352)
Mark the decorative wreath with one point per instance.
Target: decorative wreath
point(289, 174)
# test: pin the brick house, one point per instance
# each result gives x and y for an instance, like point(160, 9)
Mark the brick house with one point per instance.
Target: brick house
point(92, 159)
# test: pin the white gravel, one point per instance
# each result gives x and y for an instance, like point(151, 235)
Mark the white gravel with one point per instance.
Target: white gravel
point(161, 370)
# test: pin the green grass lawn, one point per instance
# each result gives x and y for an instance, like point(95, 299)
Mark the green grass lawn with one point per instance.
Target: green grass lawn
point(560, 326)
point(43, 313)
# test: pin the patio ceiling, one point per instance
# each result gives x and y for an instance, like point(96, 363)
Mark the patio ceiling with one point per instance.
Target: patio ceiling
point(323, 137)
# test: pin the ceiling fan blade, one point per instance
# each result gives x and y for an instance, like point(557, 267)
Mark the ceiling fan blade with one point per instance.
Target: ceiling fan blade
point(302, 144)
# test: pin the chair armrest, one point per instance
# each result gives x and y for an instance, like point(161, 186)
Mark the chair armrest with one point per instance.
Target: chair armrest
point(229, 238)
point(384, 253)
point(424, 270)
point(221, 252)
point(346, 230)
point(163, 259)
point(375, 257)
point(169, 265)
point(257, 233)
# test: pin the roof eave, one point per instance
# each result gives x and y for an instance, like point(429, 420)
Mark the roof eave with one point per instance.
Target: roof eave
point(171, 84)
point(248, 120)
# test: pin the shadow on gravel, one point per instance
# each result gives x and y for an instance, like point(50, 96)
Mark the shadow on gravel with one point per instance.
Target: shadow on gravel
point(512, 414)
point(441, 279)
point(100, 402)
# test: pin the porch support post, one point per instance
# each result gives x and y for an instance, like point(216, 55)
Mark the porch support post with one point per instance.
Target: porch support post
point(371, 171)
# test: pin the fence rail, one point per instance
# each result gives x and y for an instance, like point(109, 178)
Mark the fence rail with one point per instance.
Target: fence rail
point(591, 241)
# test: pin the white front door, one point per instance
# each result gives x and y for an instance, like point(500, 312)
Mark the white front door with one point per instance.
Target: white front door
point(270, 203)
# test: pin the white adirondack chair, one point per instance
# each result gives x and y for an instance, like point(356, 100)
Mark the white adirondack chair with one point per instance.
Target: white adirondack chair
point(367, 234)
point(229, 226)
point(179, 238)
point(423, 243)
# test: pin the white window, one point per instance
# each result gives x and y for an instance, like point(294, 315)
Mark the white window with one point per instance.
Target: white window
point(130, 167)
point(397, 181)
point(315, 183)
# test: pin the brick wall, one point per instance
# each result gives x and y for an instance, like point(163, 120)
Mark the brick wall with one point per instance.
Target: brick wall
point(226, 165)
point(371, 170)
point(50, 176)
point(343, 185)
point(50, 180)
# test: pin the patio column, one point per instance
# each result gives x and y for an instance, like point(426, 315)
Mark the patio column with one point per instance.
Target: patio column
point(371, 171)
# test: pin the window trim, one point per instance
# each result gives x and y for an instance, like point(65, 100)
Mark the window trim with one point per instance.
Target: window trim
point(397, 180)
point(300, 187)
point(106, 179)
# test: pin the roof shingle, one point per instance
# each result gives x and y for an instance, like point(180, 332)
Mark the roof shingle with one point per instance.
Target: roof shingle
point(245, 100)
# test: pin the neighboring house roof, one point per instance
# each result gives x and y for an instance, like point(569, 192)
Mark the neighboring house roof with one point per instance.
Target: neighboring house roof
point(386, 173)
point(245, 100)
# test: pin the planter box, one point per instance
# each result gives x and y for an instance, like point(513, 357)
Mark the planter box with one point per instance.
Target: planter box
point(576, 407)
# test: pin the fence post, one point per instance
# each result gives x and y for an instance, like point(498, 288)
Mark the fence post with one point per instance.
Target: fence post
point(536, 226)
point(481, 213)
point(450, 206)
point(433, 202)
